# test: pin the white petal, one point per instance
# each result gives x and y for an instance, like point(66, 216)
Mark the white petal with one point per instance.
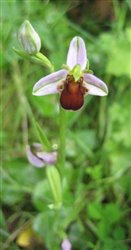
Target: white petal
point(94, 85)
point(66, 245)
point(33, 159)
point(47, 89)
point(37, 146)
point(49, 158)
point(77, 53)
point(50, 79)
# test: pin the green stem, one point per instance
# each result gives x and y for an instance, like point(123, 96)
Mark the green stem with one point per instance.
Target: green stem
point(21, 98)
point(45, 61)
point(38, 58)
point(24, 103)
point(62, 142)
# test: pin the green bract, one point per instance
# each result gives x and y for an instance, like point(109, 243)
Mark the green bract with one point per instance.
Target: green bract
point(76, 72)
point(55, 185)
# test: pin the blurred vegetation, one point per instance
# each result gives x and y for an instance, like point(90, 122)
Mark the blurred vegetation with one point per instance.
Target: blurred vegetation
point(97, 185)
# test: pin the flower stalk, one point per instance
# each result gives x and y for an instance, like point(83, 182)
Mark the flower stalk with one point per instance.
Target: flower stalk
point(62, 141)
point(45, 61)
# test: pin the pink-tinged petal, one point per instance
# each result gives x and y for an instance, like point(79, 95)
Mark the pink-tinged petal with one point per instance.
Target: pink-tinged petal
point(66, 245)
point(47, 89)
point(77, 53)
point(33, 159)
point(37, 146)
point(48, 158)
point(38, 158)
point(50, 79)
point(94, 85)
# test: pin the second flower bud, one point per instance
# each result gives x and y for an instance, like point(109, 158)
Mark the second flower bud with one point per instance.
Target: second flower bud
point(29, 39)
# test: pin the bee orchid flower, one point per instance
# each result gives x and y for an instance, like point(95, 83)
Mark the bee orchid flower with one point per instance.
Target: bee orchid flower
point(73, 82)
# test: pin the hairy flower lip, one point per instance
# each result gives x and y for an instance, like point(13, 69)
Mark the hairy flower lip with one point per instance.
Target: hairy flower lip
point(76, 62)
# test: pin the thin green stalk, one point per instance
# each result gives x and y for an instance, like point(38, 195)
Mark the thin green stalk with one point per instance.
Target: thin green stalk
point(21, 98)
point(45, 61)
point(62, 142)
point(24, 103)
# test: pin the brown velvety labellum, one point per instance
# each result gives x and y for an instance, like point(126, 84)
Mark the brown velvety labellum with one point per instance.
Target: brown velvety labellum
point(72, 96)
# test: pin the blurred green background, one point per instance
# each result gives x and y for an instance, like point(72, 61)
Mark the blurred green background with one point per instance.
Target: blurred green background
point(97, 190)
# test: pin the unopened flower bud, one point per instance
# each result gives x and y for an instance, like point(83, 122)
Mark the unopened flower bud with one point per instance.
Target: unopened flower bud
point(29, 39)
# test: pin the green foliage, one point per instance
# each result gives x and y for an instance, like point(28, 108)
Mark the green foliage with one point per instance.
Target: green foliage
point(96, 184)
